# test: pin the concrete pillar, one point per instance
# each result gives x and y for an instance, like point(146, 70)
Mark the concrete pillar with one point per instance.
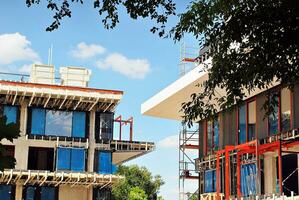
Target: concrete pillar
point(19, 191)
point(91, 149)
point(90, 193)
point(23, 118)
point(21, 155)
point(270, 175)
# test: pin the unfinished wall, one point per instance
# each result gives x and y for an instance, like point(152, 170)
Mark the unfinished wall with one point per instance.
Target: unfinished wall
point(74, 193)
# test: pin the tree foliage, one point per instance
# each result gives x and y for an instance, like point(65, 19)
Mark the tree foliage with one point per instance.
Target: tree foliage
point(252, 44)
point(137, 184)
point(158, 10)
point(7, 131)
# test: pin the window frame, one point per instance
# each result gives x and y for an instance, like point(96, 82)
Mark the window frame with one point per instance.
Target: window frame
point(246, 104)
point(18, 112)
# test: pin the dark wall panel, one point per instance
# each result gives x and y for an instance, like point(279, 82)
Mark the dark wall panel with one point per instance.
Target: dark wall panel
point(262, 124)
point(296, 107)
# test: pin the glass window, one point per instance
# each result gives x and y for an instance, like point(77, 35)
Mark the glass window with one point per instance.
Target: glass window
point(11, 113)
point(6, 192)
point(71, 159)
point(209, 136)
point(48, 193)
point(104, 126)
point(30, 193)
point(38, 121)
point(61, 119)
point(104, 165)
point(242, 124)
point(216, 135)
point(210, 181)
point(78, 124)
point(273, 117)
point(251, 120)
point(40, 193)
point(285, 109)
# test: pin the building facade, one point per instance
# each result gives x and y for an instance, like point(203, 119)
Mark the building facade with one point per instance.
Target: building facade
point(242, 152)
point(68, 147)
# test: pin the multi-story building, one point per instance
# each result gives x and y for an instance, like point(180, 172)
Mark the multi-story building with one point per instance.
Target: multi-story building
point(68, 148)
point(242, 152)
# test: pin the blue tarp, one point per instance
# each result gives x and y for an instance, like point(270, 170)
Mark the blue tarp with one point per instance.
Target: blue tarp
point(78, 160)
point(38, 121)
point(47, 193)
point(11, 113)
point(248, 175)
point(70, 159)
point(104, 162)
point(113, 168)
point(5, 192)
point(30, 193)
point(63, 159)
point(210, 181)
point(78, 124)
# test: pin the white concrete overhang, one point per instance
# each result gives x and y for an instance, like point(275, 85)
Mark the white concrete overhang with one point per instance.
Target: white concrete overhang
point(168, 102)
point(59, 96)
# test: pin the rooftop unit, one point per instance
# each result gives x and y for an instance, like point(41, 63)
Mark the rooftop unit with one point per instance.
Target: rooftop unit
point(75, 76)
point(44, 74)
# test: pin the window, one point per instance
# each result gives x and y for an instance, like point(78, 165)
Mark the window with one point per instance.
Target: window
point(104, 126)
point(7, 192)
point(280, 119)
point(210, 181)
point(58, 123)
point(11, 113)
point(247, 122)
point(71, 159)
point(40, 193)
point(104, 162)
point(41, 158)
point(285, 109)
point(212, 135)
point(8, 151)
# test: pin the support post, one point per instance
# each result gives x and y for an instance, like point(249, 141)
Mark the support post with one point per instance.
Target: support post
point(239, 193)
point(280, 168)
point(218, 176)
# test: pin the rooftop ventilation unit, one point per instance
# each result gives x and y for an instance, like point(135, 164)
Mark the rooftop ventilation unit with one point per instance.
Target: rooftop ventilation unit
point(44, 74)
point(75, 76)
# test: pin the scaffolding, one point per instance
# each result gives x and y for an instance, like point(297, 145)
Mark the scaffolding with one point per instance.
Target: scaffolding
point(188, 152)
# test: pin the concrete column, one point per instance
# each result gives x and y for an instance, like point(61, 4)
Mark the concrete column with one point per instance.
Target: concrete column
point(91, 149)
point(90, 193)
point(21, 155)
point(270, 175)
point(23, 118)
point(19, 191)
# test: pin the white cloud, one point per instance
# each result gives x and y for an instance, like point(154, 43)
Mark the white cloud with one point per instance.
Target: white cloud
point(15, 47)
point(169, 142)
point(85, 51)
point(132, 68)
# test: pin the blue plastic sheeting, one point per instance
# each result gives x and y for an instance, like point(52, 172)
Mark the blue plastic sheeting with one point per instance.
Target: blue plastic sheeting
point(71, 159)
point(63, 159)
point(47, 193)
point(248, 175)
point(113, 169)
point(38, 121)
point(104, 162)
point(242, 124)
point(78, 124)
point(78, 160)
point(5, 192)
point(11, 113)
point(210, 181)
point(30, 193)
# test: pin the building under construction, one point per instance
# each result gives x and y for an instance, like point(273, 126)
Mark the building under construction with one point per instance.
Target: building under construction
point(70, 141)
point(240, 153)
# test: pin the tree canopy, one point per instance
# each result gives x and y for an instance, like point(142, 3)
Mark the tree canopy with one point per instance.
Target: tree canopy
point(7, 131)
point(138, 184)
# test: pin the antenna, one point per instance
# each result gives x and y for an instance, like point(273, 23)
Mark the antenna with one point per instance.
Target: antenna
point(50, 55)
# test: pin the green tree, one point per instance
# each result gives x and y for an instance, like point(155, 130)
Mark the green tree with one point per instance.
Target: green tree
point(137, 194)
point(136, 179)
point(7, 131)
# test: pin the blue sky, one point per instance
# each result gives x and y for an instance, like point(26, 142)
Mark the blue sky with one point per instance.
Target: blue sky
point(128, 58)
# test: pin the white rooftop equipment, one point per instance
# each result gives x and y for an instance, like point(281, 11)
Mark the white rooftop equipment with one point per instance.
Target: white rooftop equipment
point(44, 74)
point(75, 76)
